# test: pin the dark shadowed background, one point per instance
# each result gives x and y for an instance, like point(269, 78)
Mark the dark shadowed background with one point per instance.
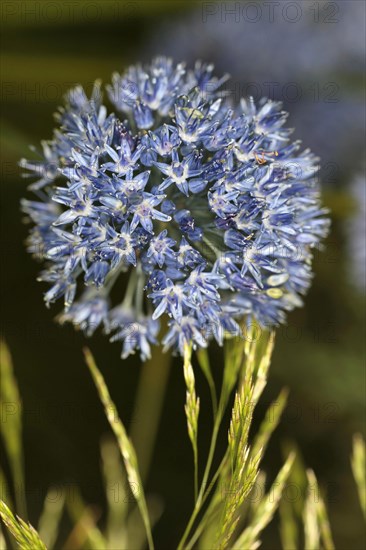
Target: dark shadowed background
point(310, 55)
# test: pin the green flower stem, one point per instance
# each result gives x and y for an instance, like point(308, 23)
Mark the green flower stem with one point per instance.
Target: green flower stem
point(204, 363)
point(148, 406)
point(139, 293)
point(130, 290)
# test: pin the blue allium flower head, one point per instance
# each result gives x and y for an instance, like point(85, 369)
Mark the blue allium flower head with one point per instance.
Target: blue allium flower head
point(184, 204)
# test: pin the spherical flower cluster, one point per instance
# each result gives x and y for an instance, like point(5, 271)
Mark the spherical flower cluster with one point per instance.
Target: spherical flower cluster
point(186, 206)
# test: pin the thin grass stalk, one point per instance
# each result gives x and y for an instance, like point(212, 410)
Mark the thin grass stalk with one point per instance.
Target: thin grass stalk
point(125, 444)
point(192, 408)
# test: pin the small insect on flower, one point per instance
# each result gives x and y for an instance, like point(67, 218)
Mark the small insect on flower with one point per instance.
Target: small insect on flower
point(199, 209)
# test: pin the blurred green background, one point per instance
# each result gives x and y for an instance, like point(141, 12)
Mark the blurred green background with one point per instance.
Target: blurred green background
point(319, 356)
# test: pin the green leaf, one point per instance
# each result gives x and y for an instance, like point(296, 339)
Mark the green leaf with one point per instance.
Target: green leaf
point(115, 483)
point(288, 526)
point(49, 522)
point(311, 524)
point(2, 540)
point(4, 488)
point(358, 463)
point(11, 425)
